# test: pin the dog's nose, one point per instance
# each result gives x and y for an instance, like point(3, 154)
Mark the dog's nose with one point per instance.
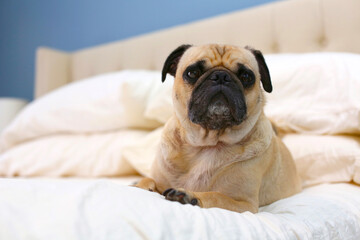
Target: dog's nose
point(220, 76)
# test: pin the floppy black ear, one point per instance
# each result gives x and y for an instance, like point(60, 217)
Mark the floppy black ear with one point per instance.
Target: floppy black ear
point(172, 61)
point(263, 69)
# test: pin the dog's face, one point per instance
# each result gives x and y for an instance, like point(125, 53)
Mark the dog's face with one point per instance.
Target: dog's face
point(217, 86)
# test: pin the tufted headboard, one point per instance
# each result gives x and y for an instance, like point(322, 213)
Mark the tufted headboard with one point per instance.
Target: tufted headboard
point(285, 26)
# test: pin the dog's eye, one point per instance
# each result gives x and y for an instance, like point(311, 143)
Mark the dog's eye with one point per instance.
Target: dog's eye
point(193, 74)
point(247, 79)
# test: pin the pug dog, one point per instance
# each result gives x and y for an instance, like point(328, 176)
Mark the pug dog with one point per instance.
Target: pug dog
point(219, 149)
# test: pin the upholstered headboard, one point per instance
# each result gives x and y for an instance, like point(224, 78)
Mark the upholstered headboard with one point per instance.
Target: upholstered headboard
point(286, 26)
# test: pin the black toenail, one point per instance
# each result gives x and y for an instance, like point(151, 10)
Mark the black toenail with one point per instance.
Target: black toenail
point(172, 193)
point(167, 191)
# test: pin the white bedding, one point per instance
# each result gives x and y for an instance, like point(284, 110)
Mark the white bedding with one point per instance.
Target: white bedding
point(106, 209)
point(79, 131)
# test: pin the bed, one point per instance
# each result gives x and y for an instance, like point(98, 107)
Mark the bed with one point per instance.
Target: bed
point(67, 160)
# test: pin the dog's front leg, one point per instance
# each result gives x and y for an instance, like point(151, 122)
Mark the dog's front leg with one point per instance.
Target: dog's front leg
point(209, 200)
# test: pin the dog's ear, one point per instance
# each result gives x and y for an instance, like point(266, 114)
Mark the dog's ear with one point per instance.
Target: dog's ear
point(263, 69)
point(172, 61)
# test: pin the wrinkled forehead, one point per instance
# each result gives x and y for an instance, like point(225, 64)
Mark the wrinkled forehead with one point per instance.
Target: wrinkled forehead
point(220, 55)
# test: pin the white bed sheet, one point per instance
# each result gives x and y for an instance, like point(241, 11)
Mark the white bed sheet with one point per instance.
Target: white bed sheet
point(106, 209)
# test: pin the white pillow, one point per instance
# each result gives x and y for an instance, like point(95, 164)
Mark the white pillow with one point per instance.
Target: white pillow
point(313, 93)
point(103, 103)
point(160, 107)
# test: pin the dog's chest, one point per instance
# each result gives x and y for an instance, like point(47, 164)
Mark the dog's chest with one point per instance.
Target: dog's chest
point(205, 165)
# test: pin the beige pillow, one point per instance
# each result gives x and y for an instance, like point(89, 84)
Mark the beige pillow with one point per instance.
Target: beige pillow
point(319, 159)
point(62, 155)
point(325, 159)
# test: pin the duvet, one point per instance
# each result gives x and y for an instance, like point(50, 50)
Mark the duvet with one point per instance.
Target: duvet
point(108, 209)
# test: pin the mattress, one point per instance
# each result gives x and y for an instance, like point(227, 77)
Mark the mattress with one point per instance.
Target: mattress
point(109, 209)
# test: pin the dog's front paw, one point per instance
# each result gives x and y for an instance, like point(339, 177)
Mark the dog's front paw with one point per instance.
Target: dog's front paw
point(181, 196)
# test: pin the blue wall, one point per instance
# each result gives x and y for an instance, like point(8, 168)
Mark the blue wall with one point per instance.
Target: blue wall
point(73, 24)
